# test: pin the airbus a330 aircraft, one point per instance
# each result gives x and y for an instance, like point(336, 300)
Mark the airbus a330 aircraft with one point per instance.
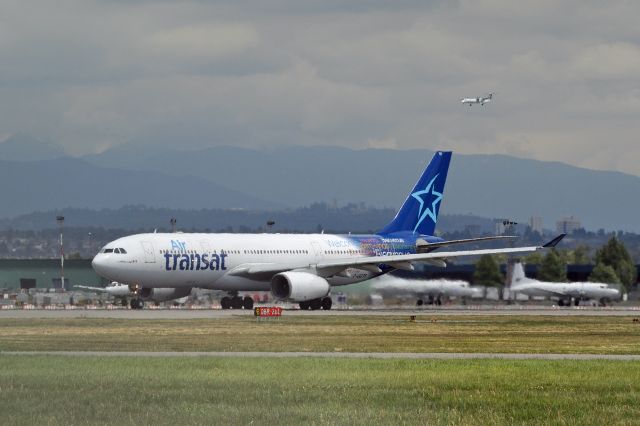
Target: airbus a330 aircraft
point(298, 268)
point(137, 297)
point(481, 100)
point(563, 292)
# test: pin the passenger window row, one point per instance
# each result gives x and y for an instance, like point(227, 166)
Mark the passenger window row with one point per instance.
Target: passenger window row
point(276, 252)
point(197, 252)
point(343, 252)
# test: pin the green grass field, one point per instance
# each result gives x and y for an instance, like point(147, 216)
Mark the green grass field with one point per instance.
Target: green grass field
point(430, 333)
point(127, 390)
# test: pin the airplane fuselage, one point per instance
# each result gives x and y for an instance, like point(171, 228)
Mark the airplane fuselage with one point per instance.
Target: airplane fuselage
point(580, 290)
point(208, 260)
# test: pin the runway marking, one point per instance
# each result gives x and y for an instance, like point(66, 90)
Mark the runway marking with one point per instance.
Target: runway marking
point(371, 355)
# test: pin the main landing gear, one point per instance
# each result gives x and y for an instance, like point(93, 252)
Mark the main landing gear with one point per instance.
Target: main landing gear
point(430, 301)
point(236, 302)
point(315, 304)
point(567, 302)
point(136, 303)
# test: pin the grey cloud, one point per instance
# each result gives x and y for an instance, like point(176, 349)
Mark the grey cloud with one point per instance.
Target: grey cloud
point(356, 73)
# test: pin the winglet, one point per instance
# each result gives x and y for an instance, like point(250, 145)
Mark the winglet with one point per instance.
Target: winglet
point(555, 241)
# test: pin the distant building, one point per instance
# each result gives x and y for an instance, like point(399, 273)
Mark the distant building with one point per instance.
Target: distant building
point(535, 222)
point(568, 224)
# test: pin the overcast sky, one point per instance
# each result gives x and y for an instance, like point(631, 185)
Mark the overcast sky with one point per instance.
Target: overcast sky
point(93, 74)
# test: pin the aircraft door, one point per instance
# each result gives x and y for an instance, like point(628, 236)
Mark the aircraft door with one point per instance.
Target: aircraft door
point(317, 251)
point(149, 253)
point(206, 248)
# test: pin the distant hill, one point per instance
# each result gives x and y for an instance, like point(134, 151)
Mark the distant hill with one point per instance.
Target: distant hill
point(28, 186)
point(314, 218)
point(489, 186)
point(482, 185)
point(26, 148)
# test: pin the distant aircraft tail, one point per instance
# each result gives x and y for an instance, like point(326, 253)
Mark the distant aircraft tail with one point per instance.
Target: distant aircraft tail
point(419, 213)
point(518, 275)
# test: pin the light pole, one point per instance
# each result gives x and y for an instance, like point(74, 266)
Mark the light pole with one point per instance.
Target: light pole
point(173, 222)
point(90, 245)
point(270, 224)
point(60, 220)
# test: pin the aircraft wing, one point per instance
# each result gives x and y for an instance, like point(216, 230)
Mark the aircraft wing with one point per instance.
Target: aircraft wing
point(331, 267)
point(97, 289)
point(423, 245)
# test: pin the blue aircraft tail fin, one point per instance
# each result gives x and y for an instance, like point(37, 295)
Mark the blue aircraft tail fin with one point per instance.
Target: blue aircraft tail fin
point(419, 213)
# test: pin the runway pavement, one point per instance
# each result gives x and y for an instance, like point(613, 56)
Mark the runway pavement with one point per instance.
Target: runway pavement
point(219, 313)
point(371, 355)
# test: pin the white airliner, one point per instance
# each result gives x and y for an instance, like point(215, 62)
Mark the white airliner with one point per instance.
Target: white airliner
point(564, 292)
point(481, 100)
point(137, 296)
point(430, 292)
point(298, 268)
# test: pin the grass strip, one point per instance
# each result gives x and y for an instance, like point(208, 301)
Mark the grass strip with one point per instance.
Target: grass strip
point(430, 333)
point(96, 390)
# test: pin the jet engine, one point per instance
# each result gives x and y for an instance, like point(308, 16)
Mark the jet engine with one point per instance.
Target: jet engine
point(163, 294)
point(298, 286)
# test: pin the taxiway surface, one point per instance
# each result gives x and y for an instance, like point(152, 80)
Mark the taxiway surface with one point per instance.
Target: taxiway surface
point(219, 313)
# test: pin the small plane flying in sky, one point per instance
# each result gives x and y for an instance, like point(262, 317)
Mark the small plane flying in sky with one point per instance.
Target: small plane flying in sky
point(563, 292)
point(137, 296)
point(481, 100)
point(294, 267)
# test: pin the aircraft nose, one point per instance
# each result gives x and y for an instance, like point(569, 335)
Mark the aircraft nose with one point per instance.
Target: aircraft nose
point(98, 264)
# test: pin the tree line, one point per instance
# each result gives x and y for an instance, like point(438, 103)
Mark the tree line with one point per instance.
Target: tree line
point(613, 265)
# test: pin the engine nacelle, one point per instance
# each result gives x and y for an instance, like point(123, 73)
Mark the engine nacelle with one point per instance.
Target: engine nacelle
point(163, 294)
point(298, 286)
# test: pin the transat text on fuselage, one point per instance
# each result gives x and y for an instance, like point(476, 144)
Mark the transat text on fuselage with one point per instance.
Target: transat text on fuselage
point(193, 261)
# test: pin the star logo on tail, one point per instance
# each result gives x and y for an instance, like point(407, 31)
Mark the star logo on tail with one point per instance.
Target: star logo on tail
point(423, 198)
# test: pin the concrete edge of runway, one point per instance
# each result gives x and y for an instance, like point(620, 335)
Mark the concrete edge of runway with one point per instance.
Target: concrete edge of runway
point(354, 355)
point(218, 313)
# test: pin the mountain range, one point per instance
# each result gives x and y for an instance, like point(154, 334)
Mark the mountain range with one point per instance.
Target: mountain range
point(494, 186)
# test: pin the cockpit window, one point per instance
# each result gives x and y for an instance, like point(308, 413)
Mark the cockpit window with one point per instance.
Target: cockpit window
point(123, 251)
point(108, 250)
point(116, 250)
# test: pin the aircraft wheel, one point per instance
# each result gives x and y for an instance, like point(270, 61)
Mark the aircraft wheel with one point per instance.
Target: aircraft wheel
point(247, 302)
point(438, 301)
point(420, 302)
point(326, 303)
point(315, 304)
point(304, 305)
point(124, 303)
point(236, 302)
point(133, 304)
point(140, 304)
point(576, 302)
point(560, 302)
point(225, 302)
